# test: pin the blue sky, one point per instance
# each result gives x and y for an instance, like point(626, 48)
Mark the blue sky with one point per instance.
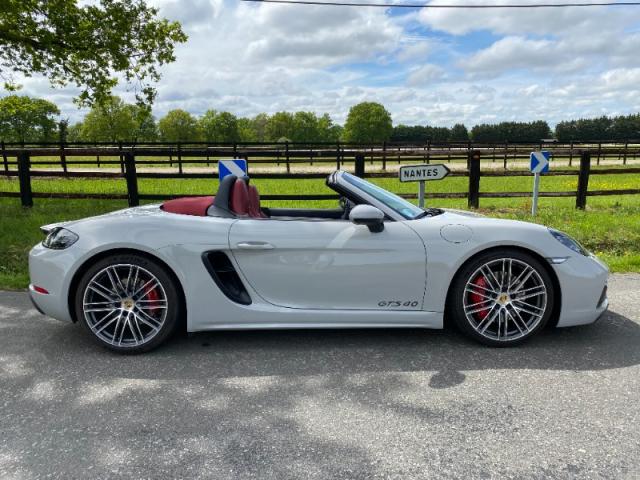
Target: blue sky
point(436, 67)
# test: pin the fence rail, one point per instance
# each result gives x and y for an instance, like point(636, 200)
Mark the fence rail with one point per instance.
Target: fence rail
point(20, 163)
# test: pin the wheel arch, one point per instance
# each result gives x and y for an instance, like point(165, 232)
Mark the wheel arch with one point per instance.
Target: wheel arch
point(120, 251)
point(555, 316)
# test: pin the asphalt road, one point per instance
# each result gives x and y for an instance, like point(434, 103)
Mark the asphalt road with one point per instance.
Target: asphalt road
point(322, 404)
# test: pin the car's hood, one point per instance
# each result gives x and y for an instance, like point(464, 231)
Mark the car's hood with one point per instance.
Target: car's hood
point(476, 220)
point(462, 213)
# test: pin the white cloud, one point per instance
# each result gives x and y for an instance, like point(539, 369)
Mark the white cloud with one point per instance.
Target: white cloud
point(425, 75)
point(517, 21)
point(249, 58)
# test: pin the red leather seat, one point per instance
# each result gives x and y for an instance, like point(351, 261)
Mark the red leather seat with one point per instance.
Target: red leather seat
point(254, 203)
point(239, 201)
point(196, 206)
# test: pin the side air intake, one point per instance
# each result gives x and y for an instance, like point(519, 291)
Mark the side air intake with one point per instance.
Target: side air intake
point(226, 277)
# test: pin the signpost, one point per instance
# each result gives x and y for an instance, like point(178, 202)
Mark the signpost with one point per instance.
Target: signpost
point(422, 173)
point(539, 164)
point(232, 166)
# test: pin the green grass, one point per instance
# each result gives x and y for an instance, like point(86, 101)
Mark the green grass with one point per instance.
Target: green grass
point(609, 227)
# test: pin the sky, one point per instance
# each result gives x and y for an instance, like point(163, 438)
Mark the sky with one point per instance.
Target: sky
point(427, 67)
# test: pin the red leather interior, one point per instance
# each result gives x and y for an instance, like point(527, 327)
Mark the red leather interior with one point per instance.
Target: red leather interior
point(239, 203)
point(242, 199)
point(254, 203)
point(196, 206)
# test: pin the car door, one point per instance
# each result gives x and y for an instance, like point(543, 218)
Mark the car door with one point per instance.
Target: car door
point(331, 264)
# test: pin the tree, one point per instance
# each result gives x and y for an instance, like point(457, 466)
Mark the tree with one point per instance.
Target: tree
point(146, 127)
point(110, 121)
point(87, 44)
point(219, 127)
point(26, 119)
point(75, 133)
point(305, 127)
point(368, 122)
point(246, 131)
point(178, 126)
point(63, 130)
point(328, 131)
point(511, 131)
point(259, 125)
point(280, 126)
point(207, 125)
point(458, 133)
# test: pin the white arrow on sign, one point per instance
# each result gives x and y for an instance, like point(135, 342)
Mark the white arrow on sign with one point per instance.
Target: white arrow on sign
point(421, 173)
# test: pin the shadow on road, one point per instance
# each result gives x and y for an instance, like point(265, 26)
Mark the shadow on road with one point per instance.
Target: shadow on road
point(610, 343)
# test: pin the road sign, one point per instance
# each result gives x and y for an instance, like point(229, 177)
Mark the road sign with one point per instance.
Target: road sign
point(540, 162)
point(422, 173)
point(232, 166)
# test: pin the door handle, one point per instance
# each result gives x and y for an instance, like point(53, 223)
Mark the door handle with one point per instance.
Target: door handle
point(254, 246)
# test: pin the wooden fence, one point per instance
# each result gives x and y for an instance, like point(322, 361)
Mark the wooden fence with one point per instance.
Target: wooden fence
point(129, 158)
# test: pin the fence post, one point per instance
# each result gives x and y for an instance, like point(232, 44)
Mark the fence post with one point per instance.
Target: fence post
point(5, 160)
point(24, 177)
point(506, 152)
point(428, 151)
point(121, 157)
point(583, 180)
point(359, 164)
point(626, 147)
point(180, 158)
point(473, 200)
point(571, 153)
point(286, 152)
point(599, 152)
point(63, 157)
point(132, 179)
point(337, 155)
point(98, 155)
point(384, 155)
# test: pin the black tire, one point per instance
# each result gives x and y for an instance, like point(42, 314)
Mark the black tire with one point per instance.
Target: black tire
point(471, 324)
point(168, 310)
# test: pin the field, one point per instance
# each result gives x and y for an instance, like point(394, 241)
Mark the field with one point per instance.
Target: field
point(610, 226)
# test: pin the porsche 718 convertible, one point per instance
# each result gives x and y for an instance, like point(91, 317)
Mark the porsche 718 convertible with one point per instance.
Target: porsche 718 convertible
point(134, 276)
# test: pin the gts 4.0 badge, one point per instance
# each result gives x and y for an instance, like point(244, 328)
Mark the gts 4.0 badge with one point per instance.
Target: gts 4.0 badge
point(397, 303)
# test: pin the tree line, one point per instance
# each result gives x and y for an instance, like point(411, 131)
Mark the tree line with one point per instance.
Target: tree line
point(26, 119)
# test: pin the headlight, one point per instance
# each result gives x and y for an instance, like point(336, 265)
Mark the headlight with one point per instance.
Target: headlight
point(569, 242)
point(59, 238)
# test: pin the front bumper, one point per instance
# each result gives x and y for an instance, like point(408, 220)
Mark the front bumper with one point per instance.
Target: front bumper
point(583, 283)
point(50, 270)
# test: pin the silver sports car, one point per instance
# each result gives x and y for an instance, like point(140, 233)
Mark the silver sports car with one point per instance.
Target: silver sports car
point(225, 262)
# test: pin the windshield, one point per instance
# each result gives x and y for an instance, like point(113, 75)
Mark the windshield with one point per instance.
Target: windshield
point(407, 209)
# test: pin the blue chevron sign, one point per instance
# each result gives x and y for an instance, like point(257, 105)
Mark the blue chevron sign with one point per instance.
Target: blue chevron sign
point(540, 162)
point(232, 166)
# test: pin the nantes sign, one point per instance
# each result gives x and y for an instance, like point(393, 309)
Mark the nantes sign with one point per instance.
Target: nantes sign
point(421, 173)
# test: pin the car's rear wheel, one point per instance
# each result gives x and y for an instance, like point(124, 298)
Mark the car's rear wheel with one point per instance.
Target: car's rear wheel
point(129, 303)
point(502, 298)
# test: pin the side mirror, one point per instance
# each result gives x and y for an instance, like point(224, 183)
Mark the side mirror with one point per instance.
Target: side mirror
point(367, 215)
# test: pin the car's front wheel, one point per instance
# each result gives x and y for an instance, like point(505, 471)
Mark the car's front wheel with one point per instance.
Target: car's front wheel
point(502, 298)
point(128, 302)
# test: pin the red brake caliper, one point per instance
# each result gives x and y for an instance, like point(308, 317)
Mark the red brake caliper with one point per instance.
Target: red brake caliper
point(152, 296)
point(477, 298)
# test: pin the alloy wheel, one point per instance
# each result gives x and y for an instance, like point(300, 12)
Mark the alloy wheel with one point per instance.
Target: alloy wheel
point(125, 305)
point(505, 299)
